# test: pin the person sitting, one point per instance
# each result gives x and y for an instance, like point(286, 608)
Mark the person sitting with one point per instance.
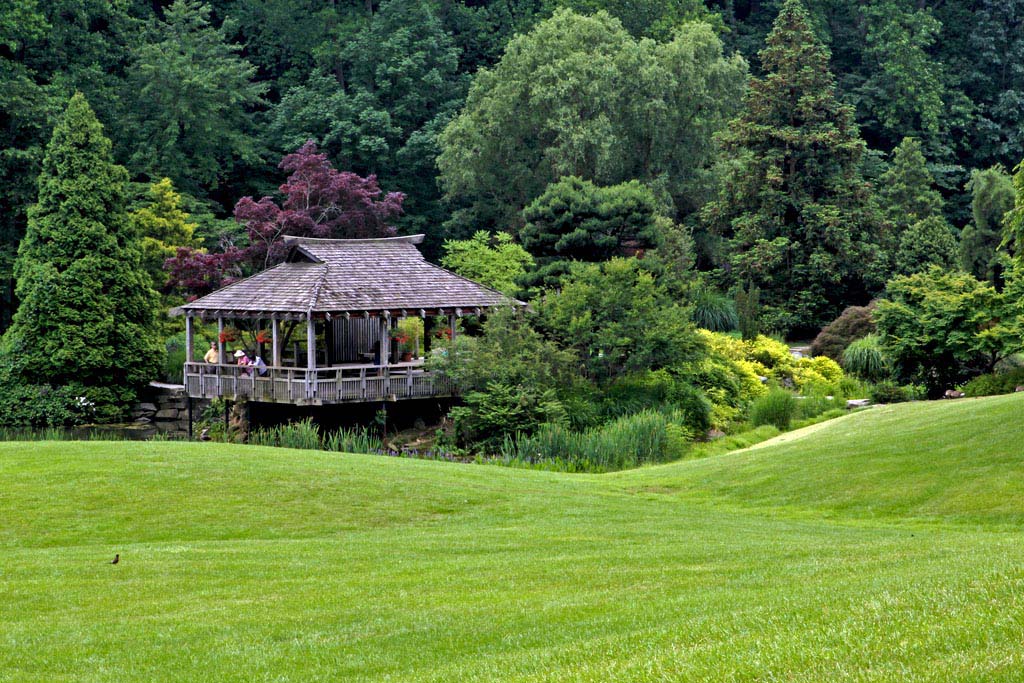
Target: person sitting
point(213, 355)
point(243, 361)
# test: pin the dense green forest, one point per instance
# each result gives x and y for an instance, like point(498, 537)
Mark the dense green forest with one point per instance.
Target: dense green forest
point(652, 166)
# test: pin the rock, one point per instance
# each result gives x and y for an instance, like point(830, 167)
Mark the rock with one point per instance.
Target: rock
point(715, 434)
point(953, 393)
point(167, 414)
point(145, 407)
point(858, 403)
point(1020, 388)
point(142, 420)
point(166, 427)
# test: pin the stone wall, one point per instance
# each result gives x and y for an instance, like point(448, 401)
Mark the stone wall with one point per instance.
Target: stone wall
point(165, 406)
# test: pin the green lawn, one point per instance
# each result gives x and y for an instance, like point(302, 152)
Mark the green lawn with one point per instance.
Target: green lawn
point(885, 546)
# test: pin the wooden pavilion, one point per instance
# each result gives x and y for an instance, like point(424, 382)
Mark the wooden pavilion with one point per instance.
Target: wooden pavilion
point(348, 293)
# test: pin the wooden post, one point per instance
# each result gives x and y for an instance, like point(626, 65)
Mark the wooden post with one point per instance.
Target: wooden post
point(310, 354)
point(451, 324)
point(385, 342)
point(220, 340)
point(221, 361)
point(276, 351)
point(189, 340)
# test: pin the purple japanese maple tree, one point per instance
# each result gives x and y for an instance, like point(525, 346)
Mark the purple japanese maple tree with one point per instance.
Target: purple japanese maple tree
point(319, 201)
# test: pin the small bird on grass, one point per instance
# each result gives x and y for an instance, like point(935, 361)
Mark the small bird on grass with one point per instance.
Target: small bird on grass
point(117, 558)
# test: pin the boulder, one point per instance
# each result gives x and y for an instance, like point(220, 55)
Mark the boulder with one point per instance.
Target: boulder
point(953, 393)
point(1020, 388)
point(145, 407)
point(142, 420)
point(167, 414)
point(858, 403)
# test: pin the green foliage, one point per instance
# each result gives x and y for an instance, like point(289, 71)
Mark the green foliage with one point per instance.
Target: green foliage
point(928, 242)
point(904, 87)
point(714, 311)
point(793, 207)
point(377, 99)
point(865, 358)
point(511, 379)
point(629, 441)
point(500, 409)
point(1013, 220)
point(907, 190)
point(618, 320)
point(163, 226)
point(941, 329)
point(86, 314)
point(888, 391)
point(575, 220)
point(776, 408)
point(303, 434)
point(995, 383)
point(659, 390)
point(853, 323)
point(992, 196)
point(748, 312)
point(192, 97)
point(580, 96)
point(643, 18)
point(496, 261)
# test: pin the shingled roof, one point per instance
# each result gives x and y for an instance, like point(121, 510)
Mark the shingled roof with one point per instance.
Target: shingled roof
point(324, 276)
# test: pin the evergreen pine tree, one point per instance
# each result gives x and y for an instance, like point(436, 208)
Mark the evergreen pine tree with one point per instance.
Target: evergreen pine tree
point(794, 208)
point(912, 207)
point(86, 316)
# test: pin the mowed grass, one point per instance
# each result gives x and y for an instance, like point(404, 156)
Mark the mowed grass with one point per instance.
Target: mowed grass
point(886, 546)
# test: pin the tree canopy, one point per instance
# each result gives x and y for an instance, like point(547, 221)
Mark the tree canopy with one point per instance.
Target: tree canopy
point(579, 96)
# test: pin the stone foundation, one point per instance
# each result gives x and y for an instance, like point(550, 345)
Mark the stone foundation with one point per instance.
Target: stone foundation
point(165, 406)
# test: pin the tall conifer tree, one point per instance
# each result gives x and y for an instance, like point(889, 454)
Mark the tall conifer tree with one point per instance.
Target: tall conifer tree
point(794, 208)
point(87, 308)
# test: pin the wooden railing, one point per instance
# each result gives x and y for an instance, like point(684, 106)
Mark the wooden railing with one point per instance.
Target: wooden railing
point(337, 384)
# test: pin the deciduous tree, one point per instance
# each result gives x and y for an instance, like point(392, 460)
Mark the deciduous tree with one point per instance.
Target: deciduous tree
point(319, 201)
point(580, 96)
point(193, 97)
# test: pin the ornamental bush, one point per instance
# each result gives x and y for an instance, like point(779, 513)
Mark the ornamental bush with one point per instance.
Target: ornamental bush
point(776, 408)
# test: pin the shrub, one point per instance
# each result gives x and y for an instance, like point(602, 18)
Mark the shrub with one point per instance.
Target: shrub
point(820, 370)
point(866, 358)
point(996, 383)
point(776, 408)
point(657, 390)
point(502, 409)
point(890, 392)
point(853, 323)
point(770, 353)
point(714, 311)
point(174, 359)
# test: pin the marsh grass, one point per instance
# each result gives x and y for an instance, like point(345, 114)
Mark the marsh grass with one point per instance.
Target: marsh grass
point(642, 438)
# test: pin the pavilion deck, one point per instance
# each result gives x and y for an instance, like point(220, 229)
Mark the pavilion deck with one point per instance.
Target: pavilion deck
point(345, 383)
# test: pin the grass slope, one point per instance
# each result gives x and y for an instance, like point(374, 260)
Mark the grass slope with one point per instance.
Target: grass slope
point(954, 460)
point(247, 564)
